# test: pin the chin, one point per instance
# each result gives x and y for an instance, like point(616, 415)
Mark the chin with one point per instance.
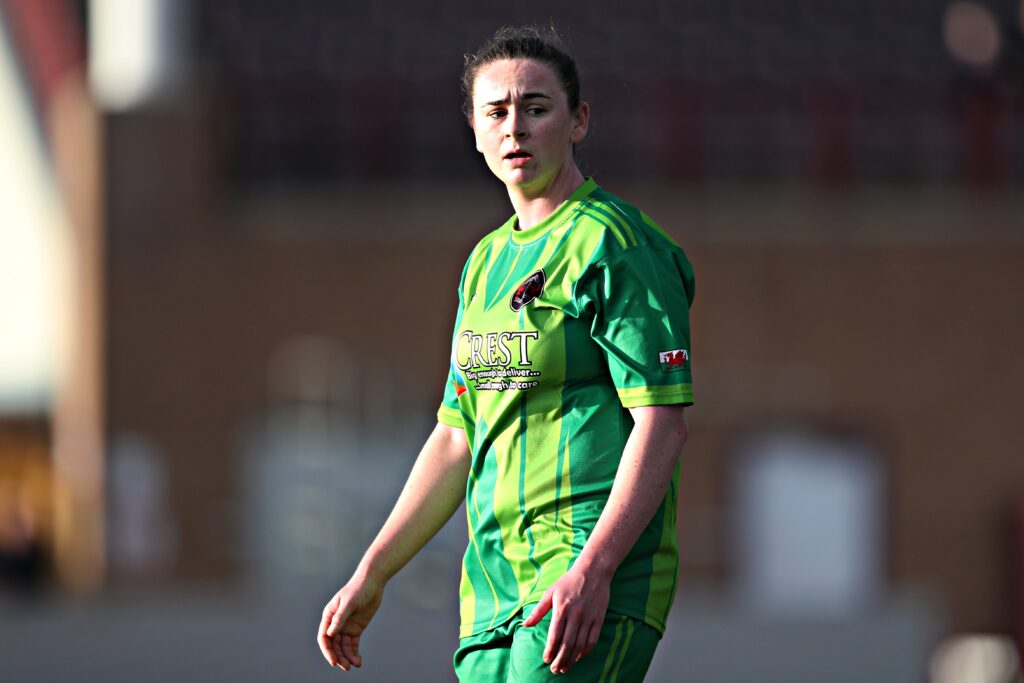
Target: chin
point(517, 180)
point(526, 176)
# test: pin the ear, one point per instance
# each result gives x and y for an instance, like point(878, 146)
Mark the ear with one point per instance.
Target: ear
point(476, 139)
point(580, 123)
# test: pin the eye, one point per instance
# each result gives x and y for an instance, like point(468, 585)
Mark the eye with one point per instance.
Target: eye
point(496, 113)
point(535, 110)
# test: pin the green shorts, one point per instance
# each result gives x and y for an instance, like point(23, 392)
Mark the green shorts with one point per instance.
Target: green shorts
point(513, 653)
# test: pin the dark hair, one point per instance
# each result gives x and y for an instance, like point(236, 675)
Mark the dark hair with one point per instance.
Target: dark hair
point(523, 42)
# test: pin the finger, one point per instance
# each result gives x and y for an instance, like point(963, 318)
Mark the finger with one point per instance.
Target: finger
point(340, 617)
point(591, 642)
point(325, 618)
point(343, 661)
point(327, 649)
point(322, 639)
point(350, 648)
point(575, 654)
point(332, 652)
point(554, 634)
point(539, 610)
point(566, 652)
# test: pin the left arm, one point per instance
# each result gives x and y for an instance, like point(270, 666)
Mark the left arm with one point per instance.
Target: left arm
point(579, 599)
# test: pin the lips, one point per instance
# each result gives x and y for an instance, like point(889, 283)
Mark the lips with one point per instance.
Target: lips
point(518, 158)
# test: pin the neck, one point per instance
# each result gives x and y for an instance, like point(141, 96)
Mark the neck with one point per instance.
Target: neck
point(534, 206)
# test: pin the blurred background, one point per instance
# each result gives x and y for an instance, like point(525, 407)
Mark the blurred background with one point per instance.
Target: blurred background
point(230, 236)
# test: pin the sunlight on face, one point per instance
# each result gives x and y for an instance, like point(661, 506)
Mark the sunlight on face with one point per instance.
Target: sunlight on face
point(522, 122)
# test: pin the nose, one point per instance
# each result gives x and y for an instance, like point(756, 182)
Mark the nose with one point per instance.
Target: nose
point(514, 125)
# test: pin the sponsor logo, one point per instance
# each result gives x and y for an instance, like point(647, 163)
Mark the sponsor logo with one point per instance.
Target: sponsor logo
point(494, 349)
point(676, 359)
point(531, 288)
point(495, 361)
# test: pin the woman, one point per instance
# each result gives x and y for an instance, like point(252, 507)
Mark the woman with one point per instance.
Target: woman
point(562, 420)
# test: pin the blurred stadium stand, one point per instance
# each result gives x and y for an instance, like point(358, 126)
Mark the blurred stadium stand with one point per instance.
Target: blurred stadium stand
point(828, 92)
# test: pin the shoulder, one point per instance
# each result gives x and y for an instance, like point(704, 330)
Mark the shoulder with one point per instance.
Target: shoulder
point(622, 227)
point(632, 249)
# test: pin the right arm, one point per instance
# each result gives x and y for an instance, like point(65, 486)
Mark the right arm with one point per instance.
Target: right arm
point(434, 490)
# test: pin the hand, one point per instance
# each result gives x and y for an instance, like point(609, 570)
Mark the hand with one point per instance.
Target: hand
point(578, 602)
point(345, 618)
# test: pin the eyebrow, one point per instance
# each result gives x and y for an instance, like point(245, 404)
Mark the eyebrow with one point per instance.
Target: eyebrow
point(526, 96)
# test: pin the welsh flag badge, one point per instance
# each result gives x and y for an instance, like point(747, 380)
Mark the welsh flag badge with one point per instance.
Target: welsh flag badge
point(677, 359)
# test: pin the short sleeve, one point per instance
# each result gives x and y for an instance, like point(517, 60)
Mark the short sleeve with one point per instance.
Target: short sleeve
point(640, 301)
point(449, 416)
point(449, 412)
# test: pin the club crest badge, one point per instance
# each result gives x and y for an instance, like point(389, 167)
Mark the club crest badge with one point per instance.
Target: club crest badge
point(530, 289)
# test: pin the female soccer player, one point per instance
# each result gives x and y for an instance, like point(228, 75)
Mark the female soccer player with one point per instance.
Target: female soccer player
point(562, 419)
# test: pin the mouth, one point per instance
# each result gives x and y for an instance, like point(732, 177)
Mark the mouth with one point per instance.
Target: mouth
point(518, 158)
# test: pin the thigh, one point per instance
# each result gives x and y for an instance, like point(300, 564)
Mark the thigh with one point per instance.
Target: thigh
point(622, 655)
point(483, 658)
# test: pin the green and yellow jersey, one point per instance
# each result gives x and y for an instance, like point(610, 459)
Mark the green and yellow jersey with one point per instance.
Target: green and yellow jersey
point(561, 327)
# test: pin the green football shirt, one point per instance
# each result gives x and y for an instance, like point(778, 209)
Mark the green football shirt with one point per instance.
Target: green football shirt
point(560, 328)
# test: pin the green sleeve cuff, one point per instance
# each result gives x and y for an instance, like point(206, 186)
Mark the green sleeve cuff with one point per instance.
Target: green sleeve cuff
point(634, 397)
point(450, 417)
